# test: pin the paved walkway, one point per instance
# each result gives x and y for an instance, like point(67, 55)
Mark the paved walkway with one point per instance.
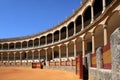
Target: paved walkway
point(35, 74)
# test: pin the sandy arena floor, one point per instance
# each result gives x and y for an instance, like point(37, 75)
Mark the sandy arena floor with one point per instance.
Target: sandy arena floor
point(35, 74)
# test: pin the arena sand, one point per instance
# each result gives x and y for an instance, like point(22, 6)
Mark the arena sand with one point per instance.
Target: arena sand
point(35, 74)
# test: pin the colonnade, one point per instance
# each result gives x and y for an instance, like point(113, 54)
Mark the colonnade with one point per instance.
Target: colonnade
point(59, 49)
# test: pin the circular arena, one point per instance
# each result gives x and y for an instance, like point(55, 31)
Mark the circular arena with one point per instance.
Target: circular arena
point(71, 45)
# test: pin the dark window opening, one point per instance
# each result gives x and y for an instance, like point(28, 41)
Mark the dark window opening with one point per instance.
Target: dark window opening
point(89, 46)
point(78, 24)
point(30, 43)
point(18, 45)
point(87, 16)
point(70, 29)
point(63, 33)
point(36, 42)
point(42, 40)
point(49, 38)
point(108, 2)
point(97, 8)
point(56, 36)
point(24, 45)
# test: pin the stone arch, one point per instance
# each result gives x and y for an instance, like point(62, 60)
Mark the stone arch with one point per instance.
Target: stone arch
point(63, 32)
point(17, 56)
point(36, 54)
point(5, 46)
point(30, 43)
point(42, 40)
point(24, 44)
point(113, 23)
point(18, 45)
point(63, 51)
point(87, 16)
point(71, 49)
point(49, 54)
point(97, 8)
point(49, 38)
point(11, 46)
point(70, 29)
point(56, 36)
point(4, 56)
point(88, 42)
point(42, 54)
point(79, 45)
point(29, 55)
point(99, 36)
point(78, 23)
point(36, 42)
point(56, 52)
point(108, 2)
point(0, 46)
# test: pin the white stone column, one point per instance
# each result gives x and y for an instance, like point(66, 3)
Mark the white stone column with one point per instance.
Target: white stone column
point(8, 57)
point(2, 57)
point(46, 54)
point(2, 47)
point(105, 35)
point(14, 58)
point(33, 43)
point(59, 35)
point(26, 56)
point(93, 42)
point(52, 38)
point(21, 58)
point(83, 47)
point(83, 51)
point(47, 62)
point(67, 56)
point(33, 55)
point(45, 39)
point(103, 5)
point(39, 41)
point(8, 46)
point(39, 54)
point(74, 28)
point(66, 32)
point(92, 14)
point(21, 45)
point(52, 53)
point(59, 54)
point(82, 22)
point(75, 53)
point(14, 45)
point(27, 44)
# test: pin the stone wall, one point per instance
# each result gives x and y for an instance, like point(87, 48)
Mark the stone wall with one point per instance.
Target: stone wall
point(115, 48)
point(100, 73)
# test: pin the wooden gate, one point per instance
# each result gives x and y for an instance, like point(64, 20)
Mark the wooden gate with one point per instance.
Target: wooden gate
point(79, 66)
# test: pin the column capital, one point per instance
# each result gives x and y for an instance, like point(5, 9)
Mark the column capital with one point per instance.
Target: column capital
point(83, 39)
point(66, 43)
point(59, 45)
point(14, 52)
point(52, 47)
point(26, 51)
point(39, 50)
point(33, 50)
point(20, 52)
point(1, 53)
point(74, 40)
point(92, 33)
point(104, 26)
point(45, 48)
point(8, 52)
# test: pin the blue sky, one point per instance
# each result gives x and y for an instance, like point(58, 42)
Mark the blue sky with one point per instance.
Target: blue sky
point(26, 17)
